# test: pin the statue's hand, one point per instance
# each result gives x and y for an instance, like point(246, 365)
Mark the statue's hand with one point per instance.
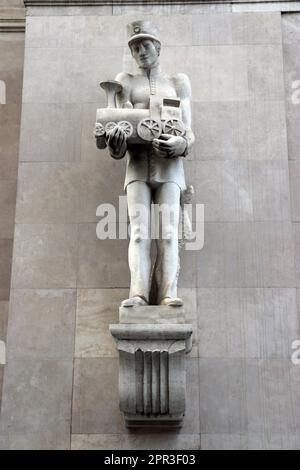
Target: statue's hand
point(116, 142)
point(169, 146)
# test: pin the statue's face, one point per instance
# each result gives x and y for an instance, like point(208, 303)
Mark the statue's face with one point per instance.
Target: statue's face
point(145, 53)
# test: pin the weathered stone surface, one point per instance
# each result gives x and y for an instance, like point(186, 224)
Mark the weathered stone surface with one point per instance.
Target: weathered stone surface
point(265, 72)
point(295, 189)
point(183, 9)
point(10, 115)
point(243, 396)
point(11, 67)
point(188, 269)
point(101, 263)
point(217, 73)
point(191, 423)
point(48, 193)
point(293, 124)
point(6, 246)
point(44, 323)
point(297, 252)
point(241, 191)
point(94, 31)
point(95, 409)
point(103, 10)
point(261, 6)
point(79, 84)
point(55, 137)
point(259, 254)
point(36, 404)
point(189, 297)
point(7, 207)
point(247, 323)
point(8, 166)
point(96, 309)
point(4, 294)
point(239, 28)
point(45, 256)
point(291, 38)
point(3, 319)
point(64, 192)
point(100, 181)
point(254, 130)
point(1, 385)
point(290, 29)
point(12, 3)
point(141, 441)
point(255, 441)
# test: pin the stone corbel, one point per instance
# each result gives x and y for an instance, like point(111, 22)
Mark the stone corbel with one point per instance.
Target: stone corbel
point(152, 375)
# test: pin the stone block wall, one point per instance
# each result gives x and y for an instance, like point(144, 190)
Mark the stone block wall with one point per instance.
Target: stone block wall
point(11, 76)
point(60, 384)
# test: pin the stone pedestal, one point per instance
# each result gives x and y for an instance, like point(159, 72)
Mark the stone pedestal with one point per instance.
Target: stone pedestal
point(152, 343)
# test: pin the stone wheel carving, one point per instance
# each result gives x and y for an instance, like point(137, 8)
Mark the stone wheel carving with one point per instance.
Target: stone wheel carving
point(99, 129)
point(127, 127)
point(149, 129)
point(110, 126)
point(174, 127)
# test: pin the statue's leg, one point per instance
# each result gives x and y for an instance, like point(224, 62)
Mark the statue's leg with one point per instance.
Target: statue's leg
point(139, 210)
point(167, 195)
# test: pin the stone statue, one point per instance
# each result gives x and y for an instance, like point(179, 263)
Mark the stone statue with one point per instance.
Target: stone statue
point(149, 118)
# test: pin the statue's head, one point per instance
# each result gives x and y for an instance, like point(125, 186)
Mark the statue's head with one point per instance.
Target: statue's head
point(144, 43)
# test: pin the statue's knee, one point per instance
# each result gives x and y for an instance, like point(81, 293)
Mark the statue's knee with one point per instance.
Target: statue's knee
point(169, 235)
point(139, 237)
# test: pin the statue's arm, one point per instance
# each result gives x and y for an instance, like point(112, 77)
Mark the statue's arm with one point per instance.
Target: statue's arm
point(183, 88)
point(123, 98)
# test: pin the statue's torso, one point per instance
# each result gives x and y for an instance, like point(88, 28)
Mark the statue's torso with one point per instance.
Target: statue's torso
point(141, 87)
point(143, 164)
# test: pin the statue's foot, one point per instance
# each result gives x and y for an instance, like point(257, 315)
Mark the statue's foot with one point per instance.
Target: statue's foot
point(135, 301)
point(172, 301)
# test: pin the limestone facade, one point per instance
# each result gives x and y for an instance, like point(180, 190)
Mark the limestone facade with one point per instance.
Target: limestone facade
point(60, 387)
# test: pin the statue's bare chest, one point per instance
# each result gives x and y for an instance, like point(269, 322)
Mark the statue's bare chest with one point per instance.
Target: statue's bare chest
point(143, 87)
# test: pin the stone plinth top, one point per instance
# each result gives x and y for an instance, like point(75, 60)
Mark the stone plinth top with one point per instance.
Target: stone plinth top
point(154, 314)
point(148, 332)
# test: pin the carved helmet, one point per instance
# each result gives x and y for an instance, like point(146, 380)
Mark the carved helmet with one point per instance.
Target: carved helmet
point(141, 30)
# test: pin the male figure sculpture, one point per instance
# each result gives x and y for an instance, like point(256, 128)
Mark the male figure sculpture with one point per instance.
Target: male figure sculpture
point(154, 168)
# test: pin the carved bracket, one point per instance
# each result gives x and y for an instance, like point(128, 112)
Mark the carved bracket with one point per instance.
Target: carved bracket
point(152, 376)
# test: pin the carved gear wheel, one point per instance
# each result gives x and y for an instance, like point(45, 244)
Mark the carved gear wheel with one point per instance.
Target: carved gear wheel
point(127, 128)
point(149, 129)
point(99, 129)
point(174, 127)
point(110, 126)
